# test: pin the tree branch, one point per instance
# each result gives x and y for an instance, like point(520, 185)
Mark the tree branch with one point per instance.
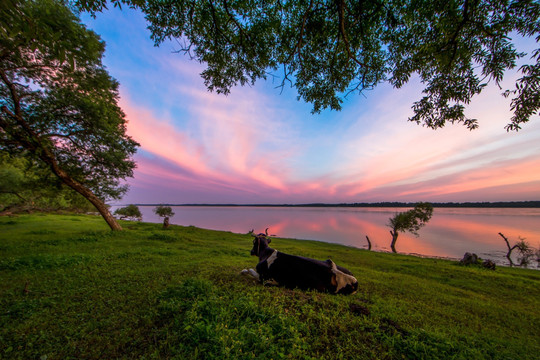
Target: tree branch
point(14, 96)
point(510, 249)
point(298, 45)
point(215, 22)
point(238, 26)
point(13, 193)
point(343, 33)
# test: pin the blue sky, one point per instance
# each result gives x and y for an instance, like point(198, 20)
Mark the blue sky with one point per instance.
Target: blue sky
point(260, 145)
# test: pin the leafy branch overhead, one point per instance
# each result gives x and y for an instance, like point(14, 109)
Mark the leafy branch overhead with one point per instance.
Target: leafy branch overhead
point(328, 49)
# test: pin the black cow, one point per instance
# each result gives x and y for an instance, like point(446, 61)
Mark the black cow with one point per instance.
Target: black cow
point(292, 271)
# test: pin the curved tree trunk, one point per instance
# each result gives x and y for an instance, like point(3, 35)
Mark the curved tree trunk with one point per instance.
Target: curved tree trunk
point(394, 234)
point(84, 191)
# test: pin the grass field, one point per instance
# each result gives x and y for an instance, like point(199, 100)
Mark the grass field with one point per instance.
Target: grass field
point(72, 289)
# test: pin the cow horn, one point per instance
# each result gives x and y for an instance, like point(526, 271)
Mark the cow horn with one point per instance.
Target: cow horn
point(266, 231)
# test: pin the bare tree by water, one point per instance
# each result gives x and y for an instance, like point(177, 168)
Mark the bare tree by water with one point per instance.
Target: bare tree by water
point(525, 252)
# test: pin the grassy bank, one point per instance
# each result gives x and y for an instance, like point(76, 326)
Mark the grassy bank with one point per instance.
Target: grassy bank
point(70, 288)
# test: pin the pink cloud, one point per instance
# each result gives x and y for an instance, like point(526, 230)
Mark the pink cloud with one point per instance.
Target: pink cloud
point(239, 145)
point(227, 152)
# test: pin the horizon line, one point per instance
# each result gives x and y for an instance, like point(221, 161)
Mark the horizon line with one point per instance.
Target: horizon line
point(509, 204)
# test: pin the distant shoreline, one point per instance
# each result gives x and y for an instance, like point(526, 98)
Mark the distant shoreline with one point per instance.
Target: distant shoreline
point(497, 204)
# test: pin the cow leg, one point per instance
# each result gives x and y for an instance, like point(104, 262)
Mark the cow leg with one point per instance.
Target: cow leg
point(251, 272)
point(271, 282)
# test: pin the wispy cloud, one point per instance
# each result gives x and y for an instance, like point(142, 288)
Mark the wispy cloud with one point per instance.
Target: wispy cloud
point(256, 145)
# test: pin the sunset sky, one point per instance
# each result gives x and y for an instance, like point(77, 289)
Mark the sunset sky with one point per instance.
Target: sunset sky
point(260, 145)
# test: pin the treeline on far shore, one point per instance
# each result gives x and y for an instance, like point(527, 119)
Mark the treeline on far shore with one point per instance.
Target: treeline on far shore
point(497, 204)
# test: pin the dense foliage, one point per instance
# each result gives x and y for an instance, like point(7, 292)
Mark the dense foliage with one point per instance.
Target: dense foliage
point(130, 212)
point(71, 289)
point(58, 103)
point(27, 185)
point(329, 48)
point(163, 211)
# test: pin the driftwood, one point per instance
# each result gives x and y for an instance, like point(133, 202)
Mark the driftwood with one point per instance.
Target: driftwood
point(369, 242)
point(510, 249)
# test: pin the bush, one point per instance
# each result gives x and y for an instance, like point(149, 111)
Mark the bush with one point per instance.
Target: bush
point(163, 211)
point(130, 212)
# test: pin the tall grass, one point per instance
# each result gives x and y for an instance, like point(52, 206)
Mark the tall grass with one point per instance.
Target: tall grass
point(70, 288)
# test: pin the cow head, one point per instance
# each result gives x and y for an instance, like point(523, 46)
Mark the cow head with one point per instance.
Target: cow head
point(260, 243)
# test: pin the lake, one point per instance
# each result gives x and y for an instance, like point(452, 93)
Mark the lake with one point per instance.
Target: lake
point(449, 234)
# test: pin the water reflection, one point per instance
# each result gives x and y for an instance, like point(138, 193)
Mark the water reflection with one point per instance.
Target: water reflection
point(450, 233)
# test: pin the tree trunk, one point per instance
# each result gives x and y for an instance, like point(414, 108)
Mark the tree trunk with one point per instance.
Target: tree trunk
point(394, 234)
point(369, 242)
point(90, 196)
point(166, 222)
point(47, 156)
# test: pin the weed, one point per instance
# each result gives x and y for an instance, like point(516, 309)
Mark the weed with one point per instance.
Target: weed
point(162, 237)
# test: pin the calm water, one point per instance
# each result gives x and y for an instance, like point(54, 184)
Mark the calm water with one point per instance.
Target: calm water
point(450, 233)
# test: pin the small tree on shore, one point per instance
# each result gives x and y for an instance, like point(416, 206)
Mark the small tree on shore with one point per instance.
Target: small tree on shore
point(130, 212)
point(165, 212)
point(409, 221)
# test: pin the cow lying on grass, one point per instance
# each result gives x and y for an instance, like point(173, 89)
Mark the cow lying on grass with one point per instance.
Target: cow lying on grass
point(292, 271)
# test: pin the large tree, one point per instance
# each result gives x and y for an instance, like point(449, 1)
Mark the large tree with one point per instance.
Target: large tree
point(329, 48)
point(58, 104)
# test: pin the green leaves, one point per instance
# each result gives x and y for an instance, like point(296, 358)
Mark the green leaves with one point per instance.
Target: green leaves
point(59, 104)
point(131, 212)
point(163, 211)
point(412, 220)
point(328, 49)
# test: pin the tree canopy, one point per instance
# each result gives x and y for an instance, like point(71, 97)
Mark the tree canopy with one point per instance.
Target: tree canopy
point(59, 104)
point(130, 212)
point(163, 211)
point(327, 49)
point(410, 221)
point(28, 185)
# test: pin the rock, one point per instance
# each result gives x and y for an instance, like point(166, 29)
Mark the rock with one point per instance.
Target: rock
point(469, 259)
point(473, 259)
point(488, 264)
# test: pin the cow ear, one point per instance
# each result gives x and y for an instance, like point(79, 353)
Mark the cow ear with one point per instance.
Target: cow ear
point(269, 240)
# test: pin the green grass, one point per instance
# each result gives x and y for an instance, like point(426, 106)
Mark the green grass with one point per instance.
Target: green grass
point(71, 289)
